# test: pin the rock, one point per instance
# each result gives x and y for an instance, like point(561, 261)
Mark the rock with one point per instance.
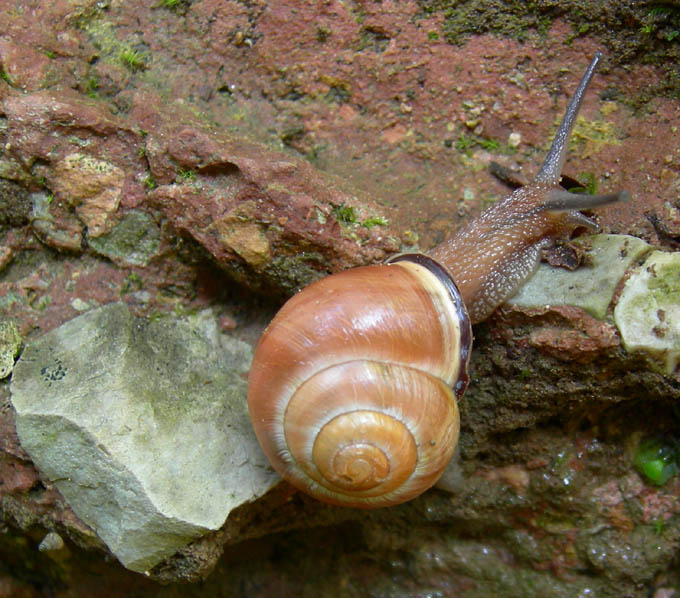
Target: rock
point(260, 211)
point(24, 67)
point(590, 287)
point(46, 125)
point(92, 186)
point(143, 427)
point(51, 542)
point(54, 225)
point(237, 231)
point(648, 311)
point(10, 343)
point(133, 241)
point(6, 255)
point(15, 205)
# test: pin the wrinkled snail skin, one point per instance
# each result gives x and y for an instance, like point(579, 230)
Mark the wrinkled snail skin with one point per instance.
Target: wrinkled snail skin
point(353, 387)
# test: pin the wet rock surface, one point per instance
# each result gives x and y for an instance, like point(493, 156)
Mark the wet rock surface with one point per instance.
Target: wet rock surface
point(250, 137)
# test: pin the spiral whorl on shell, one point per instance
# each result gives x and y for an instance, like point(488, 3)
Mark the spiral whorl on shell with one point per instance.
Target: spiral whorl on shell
point(353, 387)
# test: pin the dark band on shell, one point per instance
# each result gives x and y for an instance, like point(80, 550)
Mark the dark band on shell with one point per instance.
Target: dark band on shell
point(465, 326)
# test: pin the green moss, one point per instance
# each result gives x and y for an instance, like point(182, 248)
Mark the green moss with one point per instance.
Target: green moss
point(345, 214)
point(467, 143)
point(92, 87)
point(663, 22)
point(525, 374)
point(187, 175)
point(510, 19)
point(133, 59)
point(657, 460)
point(629, 29)
point(5, 76)
point(292, 273)
point(590, 187)
point(150, 183)
point(133, 282)
point(374, 221)
point(323, 33)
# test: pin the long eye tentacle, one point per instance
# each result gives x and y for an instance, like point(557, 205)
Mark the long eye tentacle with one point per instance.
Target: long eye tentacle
point(558, 200)
point(552, 166)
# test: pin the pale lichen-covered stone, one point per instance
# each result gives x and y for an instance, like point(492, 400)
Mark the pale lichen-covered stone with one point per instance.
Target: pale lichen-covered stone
point(648, 311)
point(590, 287)
point(135, 240)
point(10, 343)
point(63, 231)
point(238, 230)
point(143, 427)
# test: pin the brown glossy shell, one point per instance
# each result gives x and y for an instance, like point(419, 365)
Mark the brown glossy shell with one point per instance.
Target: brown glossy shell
point(351, 388)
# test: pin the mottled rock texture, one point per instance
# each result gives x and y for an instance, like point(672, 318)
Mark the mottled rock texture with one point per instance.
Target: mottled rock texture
point(648, 311)
point(142, 426)
point(591, 287)
point(10, 345)
point(250, 136)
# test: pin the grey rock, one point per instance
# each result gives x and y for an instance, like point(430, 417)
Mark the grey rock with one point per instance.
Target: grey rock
point(143, 427)
point(648, 311)
point(135, 240)
point(590, 287)
point(10, 344)
point(51, 542)
point(64, 234)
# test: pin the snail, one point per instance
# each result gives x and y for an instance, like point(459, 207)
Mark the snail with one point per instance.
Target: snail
point(354, 384)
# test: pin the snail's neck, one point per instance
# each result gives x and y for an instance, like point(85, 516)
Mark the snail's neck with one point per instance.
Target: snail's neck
point(496, 252)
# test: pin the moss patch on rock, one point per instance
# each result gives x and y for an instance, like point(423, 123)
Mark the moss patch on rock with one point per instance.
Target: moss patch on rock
point(653, 31)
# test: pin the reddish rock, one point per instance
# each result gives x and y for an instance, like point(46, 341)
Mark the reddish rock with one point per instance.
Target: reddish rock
point(565, 332)
point(48, 126)
point(25, 67)
point(243, 201)
point(249, 206)
point(16, 476)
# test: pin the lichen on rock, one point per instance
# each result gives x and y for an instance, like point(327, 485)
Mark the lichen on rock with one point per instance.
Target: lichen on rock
point(142, 426)
point(648, 311)
point(10, 344)
point(590, 287)
point(134, 240)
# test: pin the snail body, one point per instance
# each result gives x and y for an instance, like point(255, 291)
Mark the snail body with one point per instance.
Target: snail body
point(353, 387)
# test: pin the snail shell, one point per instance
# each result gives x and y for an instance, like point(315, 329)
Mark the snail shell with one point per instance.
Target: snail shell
point(328, 421)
